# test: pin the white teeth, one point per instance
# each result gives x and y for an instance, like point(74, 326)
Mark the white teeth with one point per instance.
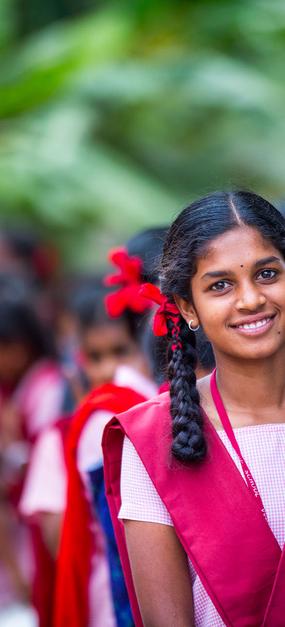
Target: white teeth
point(254, 325)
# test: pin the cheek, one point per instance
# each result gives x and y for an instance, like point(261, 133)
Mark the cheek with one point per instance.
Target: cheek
point(91, 369)
point(276, 293)
point(130, 352)
point(213, 312)
point(137, 360)
point(128, 357)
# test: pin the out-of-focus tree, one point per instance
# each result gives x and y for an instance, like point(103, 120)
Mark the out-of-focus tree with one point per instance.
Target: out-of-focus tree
point(117, 113)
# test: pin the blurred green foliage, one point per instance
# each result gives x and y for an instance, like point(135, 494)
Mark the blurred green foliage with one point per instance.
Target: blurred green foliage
point(116, 114)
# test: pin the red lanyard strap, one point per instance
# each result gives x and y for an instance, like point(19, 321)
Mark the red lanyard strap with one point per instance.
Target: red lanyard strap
point(232, 438)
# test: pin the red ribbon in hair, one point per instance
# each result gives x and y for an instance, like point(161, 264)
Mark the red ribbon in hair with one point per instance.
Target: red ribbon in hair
point(129, 278)
point(165, 310)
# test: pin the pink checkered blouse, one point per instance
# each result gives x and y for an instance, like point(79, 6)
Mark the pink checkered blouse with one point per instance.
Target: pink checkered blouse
point(263, 448)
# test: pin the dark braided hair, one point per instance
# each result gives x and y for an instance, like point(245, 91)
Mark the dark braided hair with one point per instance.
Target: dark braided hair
point(187, 240)
point(186, 429)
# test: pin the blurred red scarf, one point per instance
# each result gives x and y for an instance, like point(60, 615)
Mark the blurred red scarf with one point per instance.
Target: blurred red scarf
point(77, 541)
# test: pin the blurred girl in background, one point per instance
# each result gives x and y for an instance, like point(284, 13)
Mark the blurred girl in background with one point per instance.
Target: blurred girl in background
point(31, 393)
point(124, 369)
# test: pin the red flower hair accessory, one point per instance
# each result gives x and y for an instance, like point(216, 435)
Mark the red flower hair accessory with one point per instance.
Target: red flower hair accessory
point(165, 310)
point(129, 278)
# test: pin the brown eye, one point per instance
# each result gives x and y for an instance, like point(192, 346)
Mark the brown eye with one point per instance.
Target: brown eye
point(268, 274)
point(93, 356)
point(121, 351)
point(220, 286)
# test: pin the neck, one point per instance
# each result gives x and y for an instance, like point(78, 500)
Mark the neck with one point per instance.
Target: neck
point(258, 385)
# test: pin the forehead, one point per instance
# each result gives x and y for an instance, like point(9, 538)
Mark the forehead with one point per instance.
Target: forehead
point(240, 247)
point(106, 335)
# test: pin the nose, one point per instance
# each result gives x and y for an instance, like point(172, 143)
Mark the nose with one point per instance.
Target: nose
point(250, 297)
point(107, 370)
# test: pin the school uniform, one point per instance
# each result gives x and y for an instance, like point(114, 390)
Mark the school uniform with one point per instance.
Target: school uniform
point(230, 522)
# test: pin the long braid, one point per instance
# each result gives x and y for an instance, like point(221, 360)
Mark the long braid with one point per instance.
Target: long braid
point(189, 443)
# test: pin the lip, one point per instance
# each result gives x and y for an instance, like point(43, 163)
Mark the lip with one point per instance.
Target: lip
point(253, 319)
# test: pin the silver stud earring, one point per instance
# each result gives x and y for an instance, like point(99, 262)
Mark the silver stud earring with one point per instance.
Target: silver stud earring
point(191, 327)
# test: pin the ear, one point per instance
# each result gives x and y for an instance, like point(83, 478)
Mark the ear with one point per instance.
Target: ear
point(187, 310)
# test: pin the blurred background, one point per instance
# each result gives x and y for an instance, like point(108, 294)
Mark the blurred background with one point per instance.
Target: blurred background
point(114, 115)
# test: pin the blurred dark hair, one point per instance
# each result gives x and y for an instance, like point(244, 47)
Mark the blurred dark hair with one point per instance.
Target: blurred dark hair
point(16, 288)
point(89, 308)
point(22, 242)
point(19, 323)
point(188, 238)
point(34, 256)
point(148, 245)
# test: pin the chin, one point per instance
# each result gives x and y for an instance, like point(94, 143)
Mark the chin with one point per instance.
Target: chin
point(261, 352)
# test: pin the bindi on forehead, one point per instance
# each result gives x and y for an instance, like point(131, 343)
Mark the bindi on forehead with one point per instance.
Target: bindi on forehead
point(242, 248)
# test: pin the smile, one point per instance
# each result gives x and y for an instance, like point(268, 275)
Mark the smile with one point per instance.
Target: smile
point(255, 327)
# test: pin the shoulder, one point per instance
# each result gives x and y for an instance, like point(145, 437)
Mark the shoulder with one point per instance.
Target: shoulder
point(45, 370)
point(147, 415)
point(144, 424)
point(160, 402)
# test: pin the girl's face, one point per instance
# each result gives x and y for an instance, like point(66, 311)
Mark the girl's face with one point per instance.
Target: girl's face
point(239, 295)
point(105, 347)
point(15, 359)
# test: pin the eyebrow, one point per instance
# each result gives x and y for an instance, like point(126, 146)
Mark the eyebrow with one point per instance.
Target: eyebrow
point(216, 274)
point(265, 260)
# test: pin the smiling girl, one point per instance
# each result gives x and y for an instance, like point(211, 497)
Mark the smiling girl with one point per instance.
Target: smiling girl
point(198, 474)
